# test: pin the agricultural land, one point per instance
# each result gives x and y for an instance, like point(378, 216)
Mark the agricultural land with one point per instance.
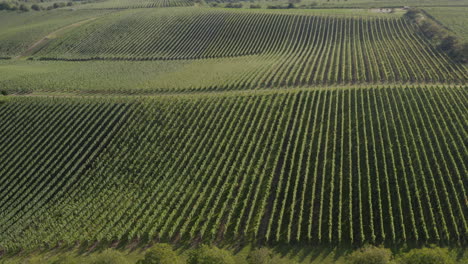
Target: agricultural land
point(312, 128)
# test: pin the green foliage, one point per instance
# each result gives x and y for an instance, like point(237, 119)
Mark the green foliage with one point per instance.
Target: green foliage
point(23, 8)
point(260, 256)
point(370, 255)
point(66, 260)
point(445, 41)
point(266, 256)
point(454, 18)
point(433, 255)
point(161, 254)
point(36, 7)
point(20, 30)
point(279, 260)
point(210, 255)
point(109, 256)
point(234, 5)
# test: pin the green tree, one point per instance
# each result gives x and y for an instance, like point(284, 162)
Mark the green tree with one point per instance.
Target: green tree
point(161, 254)
point(266, 256)
point(210, 255)
point(260, 256)
point(370, 255)
point(434, 255)
point(36, 7)
point(5, 6)
point(23, 8)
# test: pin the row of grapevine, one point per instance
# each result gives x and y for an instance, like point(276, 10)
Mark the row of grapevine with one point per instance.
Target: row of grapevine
point(19, 31)
point(131, 4)
point(330, 166)
point(298, 50)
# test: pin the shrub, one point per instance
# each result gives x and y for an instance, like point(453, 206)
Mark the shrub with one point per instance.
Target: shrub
point(210, 255)
point(36, 7)
point(161, 254)
point(266, 256)
point(23, 8)
point(255, 6)
point(65, 260)
point(3, 92)
point(5, 6)
point(109, 256)
point(440, 37)
point(426, 256)
point(370, 255)
point(260, 256)
point(234, 5)
point(278, 260)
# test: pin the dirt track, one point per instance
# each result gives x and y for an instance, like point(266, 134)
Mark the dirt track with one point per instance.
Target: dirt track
point(52, 35)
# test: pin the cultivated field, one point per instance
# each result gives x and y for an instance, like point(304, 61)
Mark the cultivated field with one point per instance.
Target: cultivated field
point(133, 122)
point(320, 166)
point(454, 18)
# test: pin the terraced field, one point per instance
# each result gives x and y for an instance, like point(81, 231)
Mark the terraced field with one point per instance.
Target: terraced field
point(324, 166)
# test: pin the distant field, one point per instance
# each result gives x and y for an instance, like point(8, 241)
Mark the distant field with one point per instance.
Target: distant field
point(456, 19)
point(323, 166)
point(354, 3)
point(128, 4)
point(205, 49)
point(18, 31)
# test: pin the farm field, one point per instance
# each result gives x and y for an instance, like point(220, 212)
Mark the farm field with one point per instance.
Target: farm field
point(314, 132)
point(350, 3)
point(20, 31)
point(266, 50)
point(324, 166)
point(129, 4)
point(453, 18)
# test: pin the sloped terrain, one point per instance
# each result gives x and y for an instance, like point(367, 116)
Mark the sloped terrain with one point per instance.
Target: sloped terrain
point(344, 166)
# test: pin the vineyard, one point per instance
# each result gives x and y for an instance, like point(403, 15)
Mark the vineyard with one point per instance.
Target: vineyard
point(130, 4)
point(299, 49)
point(19, 31)
point(284, 124)
point(324, 166)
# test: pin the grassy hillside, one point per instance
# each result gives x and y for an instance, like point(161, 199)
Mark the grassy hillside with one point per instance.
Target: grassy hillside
point(18, 31)
point(454, 19)
point(316, 166)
